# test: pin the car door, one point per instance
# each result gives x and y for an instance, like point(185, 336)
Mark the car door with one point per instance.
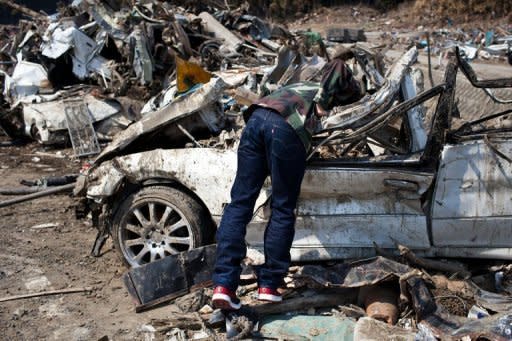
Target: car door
point(473, 195)
point(342, 211)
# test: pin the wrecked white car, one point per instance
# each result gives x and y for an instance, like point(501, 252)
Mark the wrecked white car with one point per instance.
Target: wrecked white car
point(384, 171)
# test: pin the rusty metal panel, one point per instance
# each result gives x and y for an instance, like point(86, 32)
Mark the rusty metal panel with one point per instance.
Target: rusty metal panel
point(473, 201)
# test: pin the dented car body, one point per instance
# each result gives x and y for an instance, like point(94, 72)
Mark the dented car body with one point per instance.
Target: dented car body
point(441, 192)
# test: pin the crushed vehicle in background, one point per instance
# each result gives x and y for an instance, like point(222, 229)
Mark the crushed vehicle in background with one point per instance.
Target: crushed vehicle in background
point(114, 56)
point(474, 44)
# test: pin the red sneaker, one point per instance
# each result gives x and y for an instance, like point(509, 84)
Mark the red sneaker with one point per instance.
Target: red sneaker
point(223, 298)
point(270, 295)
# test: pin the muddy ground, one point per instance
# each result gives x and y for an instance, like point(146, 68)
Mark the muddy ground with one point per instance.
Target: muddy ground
point(37, 259)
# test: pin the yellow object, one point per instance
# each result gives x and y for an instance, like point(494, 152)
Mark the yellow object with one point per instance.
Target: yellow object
point(190, 74)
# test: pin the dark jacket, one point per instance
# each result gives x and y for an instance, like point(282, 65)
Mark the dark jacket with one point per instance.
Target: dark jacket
point(296, 102)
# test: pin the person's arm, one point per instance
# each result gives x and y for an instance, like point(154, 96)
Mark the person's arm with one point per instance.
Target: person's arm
point(337, 87)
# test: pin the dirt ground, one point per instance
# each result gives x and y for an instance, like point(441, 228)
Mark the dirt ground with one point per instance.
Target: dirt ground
point(403, 18)
point(33, 260)
point(36, 259)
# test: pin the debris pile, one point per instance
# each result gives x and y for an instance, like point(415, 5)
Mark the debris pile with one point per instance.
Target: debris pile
point(403, 297)
point(495, 44)
point(83, 74)
point(447, 8)
point(94, 69)
point(159, 92)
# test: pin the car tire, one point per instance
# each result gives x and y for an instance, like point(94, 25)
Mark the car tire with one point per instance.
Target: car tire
point(158, 221)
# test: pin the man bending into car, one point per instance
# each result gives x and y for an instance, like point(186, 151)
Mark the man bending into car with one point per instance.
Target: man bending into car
point(274, 142)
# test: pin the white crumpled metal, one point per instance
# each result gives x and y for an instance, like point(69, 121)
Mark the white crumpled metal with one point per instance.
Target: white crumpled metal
point(59, 40)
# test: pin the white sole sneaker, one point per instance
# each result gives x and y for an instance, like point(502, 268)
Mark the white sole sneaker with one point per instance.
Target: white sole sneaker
point(223, 301)
point(269, 298)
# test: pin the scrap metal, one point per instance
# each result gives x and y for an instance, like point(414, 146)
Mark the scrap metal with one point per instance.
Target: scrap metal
point(124, 51)
point(408, 172)
point(448, 187)
point(171, 277)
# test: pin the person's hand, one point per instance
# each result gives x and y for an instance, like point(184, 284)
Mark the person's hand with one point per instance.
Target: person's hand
point(319, 111)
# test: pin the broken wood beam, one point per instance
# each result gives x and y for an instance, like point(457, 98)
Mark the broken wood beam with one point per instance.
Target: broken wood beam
point(184, 321)
point(302, 303)
point(433, 264)
point(47, 293)
point(36, 195)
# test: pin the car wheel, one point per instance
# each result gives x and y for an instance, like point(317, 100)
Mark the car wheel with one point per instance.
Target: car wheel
point(156, 222)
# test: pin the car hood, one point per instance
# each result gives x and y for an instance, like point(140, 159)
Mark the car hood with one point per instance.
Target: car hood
point(181, 107)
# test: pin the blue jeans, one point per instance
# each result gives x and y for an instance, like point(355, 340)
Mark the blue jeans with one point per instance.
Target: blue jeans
point(268, 146)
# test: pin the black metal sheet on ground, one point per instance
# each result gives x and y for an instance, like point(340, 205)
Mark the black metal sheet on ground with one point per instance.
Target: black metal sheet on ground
point(356, 274)
point(168, 278)
point(199, 264)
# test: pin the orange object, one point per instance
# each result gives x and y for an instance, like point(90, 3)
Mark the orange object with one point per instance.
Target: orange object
point(381, 303)
point(190, 74)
